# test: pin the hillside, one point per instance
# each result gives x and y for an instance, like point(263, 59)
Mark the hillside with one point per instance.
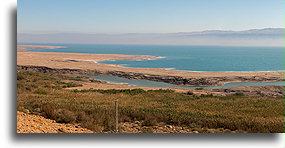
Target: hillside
point(27, 123)
point(141, 110)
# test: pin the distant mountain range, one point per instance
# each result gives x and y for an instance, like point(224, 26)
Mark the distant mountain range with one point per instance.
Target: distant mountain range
point(253, 37)
point(252, 32)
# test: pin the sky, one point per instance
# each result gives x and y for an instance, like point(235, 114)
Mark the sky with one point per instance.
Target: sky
point(146, 16)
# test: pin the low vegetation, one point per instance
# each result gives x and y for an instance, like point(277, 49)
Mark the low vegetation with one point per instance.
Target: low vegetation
point(125, 91)
point(44, 94)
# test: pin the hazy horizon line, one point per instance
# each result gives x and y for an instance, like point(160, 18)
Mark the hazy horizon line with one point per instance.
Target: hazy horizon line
point(55, 32)
point(37, 43)
point(253, 37)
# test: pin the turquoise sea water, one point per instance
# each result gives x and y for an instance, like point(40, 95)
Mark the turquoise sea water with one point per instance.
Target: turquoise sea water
point(191, 58)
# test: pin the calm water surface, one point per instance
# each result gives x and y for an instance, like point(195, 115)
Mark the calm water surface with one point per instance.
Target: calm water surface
point(147, 83)
point(190, 58)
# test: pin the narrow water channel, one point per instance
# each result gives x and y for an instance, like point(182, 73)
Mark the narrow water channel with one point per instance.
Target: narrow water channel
point(148, 83)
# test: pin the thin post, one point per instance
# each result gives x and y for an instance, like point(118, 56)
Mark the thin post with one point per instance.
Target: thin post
point(117, 115)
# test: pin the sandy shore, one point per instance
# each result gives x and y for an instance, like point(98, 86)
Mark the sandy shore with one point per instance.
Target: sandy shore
point(89, 62)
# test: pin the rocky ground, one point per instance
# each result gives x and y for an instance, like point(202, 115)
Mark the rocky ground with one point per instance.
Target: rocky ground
point(27, 123)
point(252, 91)
point(139, 127)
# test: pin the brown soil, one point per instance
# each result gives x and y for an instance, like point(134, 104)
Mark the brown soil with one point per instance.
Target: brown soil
point(27, 123)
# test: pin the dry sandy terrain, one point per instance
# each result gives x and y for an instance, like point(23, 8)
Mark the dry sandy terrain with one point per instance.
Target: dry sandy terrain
point(27, 123)
point(89, 62)
point(66, 60)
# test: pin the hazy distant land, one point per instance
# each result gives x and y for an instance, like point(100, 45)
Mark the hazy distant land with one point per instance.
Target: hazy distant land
point(254, 37)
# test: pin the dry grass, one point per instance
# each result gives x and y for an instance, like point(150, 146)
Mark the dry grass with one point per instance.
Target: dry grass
point(94, 109)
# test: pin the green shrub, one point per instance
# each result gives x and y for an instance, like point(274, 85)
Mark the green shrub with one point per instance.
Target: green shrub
point(162, 90)
point(20, 77)
point(70, 84)
point(189, 93)
point(239, 94)
point(41, 92)
point(206, 95)
point(75, 78)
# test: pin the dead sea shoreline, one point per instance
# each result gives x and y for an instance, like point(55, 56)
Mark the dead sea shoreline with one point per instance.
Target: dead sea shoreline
point(140, 76)
point(253, 91)
point(78, 63)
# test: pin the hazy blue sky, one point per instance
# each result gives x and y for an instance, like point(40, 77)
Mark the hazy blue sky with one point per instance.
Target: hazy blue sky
point(146, 16)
